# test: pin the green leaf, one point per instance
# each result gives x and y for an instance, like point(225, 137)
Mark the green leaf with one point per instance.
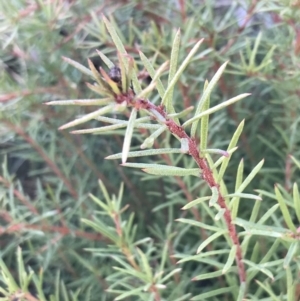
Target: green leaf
point(291, 285)
point(230, 260)
point(268, 214)
point(290, 254)
point(260, 268)
point(198, 224)
point(88, 117)
point(121, 49)
point(231, 145)
point(169, 275)
point(8, 277)
point(124, 80)
point(158, 169)
point(173, 67)
point(117, 41)
point(208, 275)
point(242, 291)
point(239, 178)
point(257, 229)
point(254, 52)
point(268, 289)
point(182, 113)
point(151, 71)
point(296, 198)
point(196, 202)
point(96, 74)
point(128, 135)
point(145, 264)
point(284, 209)
point(169, 90)
point(173, 171)
point(204, 122)
point(250, 177)
point(101, 228)
point(150, 152)
point(215, 109)
point(105, 59)
point(80, 102)
point(244, 195)
point(132, 292)
point(78, 66)
point(296, 161)
point(212, 293)
point(211, 239)
point(134, 273)
point(100, 203)
point(206, 95)
point(150, 140)
point(103, 129)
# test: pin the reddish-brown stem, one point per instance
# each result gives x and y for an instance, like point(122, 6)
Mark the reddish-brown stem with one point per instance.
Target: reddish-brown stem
point(20, 196)
point(43, 155)
point(207, 174)
point(55, 229)
point(208, 177)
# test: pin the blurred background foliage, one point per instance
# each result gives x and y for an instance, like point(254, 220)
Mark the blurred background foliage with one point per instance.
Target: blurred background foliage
point(47, 174)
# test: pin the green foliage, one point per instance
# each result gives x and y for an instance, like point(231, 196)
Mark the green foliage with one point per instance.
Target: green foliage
point(187, 223)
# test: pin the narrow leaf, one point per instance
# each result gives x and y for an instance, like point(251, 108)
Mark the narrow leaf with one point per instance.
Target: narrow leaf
point(239, 178)
point(178, 73)
point(268, 289)
point(259, 268)
point(150, 152)
point(290, 254)
point(208, 275)
point(216, 108)
point(80, 102)
point(151, 71)
point(172, 72)
point(87, 117)
point(230, 260)
point(198, 224)
point(254, 52)
point(210, 239)
point(206, 94)
point(245, 196)
point(284, 209)
point(173, 171)
point(100, 130)
point(212, 293)
point(78, 66)
point(250, 177)
point(150, 140)
point(231, 145)
point(196, 202)
point(105, 59)
point(128, 135)
point(296, 198)
point(204, 122)
point(145, 265)
point(114, 36)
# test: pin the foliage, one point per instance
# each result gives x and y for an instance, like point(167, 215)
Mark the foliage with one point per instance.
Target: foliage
point(172, 99)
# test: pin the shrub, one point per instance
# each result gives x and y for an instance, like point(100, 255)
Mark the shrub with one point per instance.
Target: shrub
point(153, 91)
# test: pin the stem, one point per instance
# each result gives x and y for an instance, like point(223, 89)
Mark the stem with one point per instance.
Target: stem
point(177, 130)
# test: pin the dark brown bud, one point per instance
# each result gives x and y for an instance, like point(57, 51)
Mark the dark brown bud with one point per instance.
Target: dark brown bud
point(115, 74)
